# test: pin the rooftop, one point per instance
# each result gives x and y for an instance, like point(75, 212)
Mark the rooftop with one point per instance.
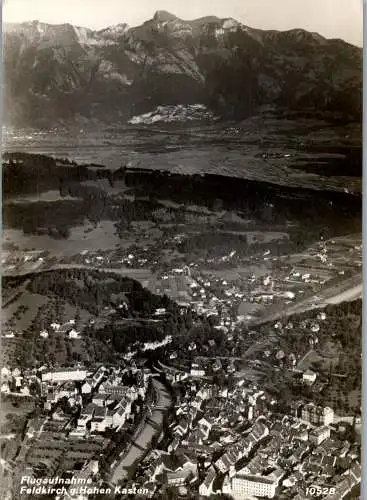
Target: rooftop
point(255, 479)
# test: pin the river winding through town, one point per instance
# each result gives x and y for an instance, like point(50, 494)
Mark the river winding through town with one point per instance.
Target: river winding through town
point(151, 426)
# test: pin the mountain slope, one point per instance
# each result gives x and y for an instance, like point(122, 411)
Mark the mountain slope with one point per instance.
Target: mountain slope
point(56, 72)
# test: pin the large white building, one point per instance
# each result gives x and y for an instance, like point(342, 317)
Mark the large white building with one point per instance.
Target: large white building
point(197, 370)
point(309, 377)
point(246, 485)
point(64, 374)
point(317, 415)
point(317, 436)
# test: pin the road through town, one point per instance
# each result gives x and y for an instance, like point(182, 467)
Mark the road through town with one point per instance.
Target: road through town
point(348, 290)
point(351, 294)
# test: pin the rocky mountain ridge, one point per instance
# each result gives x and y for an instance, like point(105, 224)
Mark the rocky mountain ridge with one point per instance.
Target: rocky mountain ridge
point(58, 72)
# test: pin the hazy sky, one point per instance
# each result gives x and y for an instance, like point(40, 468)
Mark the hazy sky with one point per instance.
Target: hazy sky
point(331, 18)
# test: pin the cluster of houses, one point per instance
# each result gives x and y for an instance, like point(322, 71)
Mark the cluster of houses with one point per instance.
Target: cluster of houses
point(231, 441)
point(227, 440)
point(346, 483)
point(197, 415)
point(206, 291)
point(14, 381)
point(104, 401)
point(173, 469)
point(201, 367)
point(68, 328)
point(210, 290)
point(130, 258)
point(296, 454)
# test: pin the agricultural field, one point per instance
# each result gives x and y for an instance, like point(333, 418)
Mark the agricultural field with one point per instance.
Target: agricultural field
point(30, 315)
point(88, 236)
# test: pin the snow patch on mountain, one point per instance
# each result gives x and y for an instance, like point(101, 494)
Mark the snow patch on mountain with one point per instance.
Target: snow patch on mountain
point(114, 32)
point(84, 36)
point(110, 72)
point(231, 24)
point(179, 29)
point(174, 113)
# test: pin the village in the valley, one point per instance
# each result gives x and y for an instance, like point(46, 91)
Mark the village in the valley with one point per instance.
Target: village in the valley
point(201, 418)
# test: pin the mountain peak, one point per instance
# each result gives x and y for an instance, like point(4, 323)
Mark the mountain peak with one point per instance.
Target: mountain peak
point(120, 72)
point(164, 16)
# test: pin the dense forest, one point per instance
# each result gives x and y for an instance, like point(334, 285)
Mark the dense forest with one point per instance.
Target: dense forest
point(93, 290)
point(25, 174)
point(125, 309)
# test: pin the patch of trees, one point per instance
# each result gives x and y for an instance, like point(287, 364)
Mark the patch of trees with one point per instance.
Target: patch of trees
point(120, 337)
point(25, 173)
point(38, 218)
point(92, 290)
point(270, 203)
point(214, 242)
point(343, 328)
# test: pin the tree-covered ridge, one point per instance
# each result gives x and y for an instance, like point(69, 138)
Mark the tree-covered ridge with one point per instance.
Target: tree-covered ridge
point(113, 314)
point(140, 192)
point(93, 290)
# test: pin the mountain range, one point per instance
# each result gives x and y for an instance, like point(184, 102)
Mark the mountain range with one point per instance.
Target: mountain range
point(60, 72)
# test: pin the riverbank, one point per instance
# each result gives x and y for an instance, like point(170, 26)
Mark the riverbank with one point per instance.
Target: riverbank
point(152, 425)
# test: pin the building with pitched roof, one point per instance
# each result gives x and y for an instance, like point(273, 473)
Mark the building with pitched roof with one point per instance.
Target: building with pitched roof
point(65, 374)
point(206, 487)
point(317, 436)
point(317, 415)
point(255, 485)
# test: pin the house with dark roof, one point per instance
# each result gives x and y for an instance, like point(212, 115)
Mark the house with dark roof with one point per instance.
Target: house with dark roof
point(174, 463)
point(347, 482)
point(87, 413)
point(87, 387)
point(102, 399)
point(206, 487)
point(122, 413)
point(196, 437)
point(182, 427)
point(228, 460)
point(300, 452)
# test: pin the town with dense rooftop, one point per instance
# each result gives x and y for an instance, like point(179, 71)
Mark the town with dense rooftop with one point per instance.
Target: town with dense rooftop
point(202, 352)
point(181, 255)
point(177, 350)
point(199, 402)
